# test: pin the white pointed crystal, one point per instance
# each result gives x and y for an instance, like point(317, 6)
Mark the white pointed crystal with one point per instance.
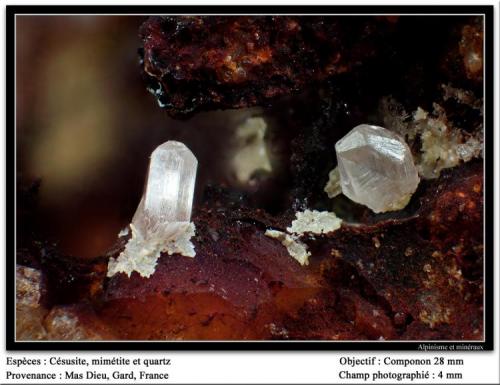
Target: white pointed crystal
point(376, 168)
point(161, 223)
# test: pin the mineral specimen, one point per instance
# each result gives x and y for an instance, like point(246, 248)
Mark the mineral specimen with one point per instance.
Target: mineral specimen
point(307, 221)
point(416, 274)
point(376, 168)
point(437, 140)
point(168, 196)
point(316, 222)
point(162, 220)
point(204, 62)
point(416, 278)
point(141, 253)
point(296, 248)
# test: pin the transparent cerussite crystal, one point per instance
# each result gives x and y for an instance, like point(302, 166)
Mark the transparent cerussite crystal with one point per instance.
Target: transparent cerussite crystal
point(376, 168)
point(168, 195)
point(162, 221)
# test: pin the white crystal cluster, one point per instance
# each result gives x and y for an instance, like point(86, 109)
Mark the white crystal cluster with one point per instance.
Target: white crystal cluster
point(315, 222)
point(161, 223)
point(141, 254)
point(441, 145)
point(376, 168)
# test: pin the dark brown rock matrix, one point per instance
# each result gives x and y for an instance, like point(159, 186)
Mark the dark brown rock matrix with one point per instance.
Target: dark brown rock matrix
point(197, 62)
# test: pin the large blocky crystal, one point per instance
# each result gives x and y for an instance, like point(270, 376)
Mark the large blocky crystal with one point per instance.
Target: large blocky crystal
point(376, 168)
point(168, 195)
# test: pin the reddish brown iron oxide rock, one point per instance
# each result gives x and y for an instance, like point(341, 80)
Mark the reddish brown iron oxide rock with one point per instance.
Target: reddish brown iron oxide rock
point(415, 274)
point(197, 62)
point(388, 280)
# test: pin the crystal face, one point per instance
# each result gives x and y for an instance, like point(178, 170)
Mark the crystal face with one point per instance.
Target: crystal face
point(376, 168)
point(168, 195)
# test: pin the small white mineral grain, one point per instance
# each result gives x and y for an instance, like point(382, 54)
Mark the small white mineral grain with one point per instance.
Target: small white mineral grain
point(333, 187)
point(316, 222)
point(294, 246)
point(376, 168)
point(161, 223)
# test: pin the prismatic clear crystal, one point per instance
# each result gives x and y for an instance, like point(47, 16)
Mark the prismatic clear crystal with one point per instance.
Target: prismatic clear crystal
point(376, 168)
point(162, 221)
point(169, 190)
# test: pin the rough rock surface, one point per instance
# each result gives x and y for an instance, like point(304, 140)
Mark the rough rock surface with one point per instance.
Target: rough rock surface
point(414, 274)
point(410, 277)
point(203, 62)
